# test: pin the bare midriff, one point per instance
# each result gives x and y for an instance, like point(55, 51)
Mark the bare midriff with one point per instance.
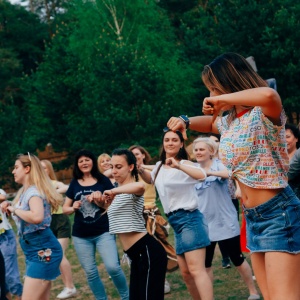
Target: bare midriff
point(253, 197)
point(128, 239)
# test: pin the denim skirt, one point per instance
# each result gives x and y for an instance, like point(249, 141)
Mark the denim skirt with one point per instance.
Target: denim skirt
point(275, 224)
point(43, 254)
point(191, 230)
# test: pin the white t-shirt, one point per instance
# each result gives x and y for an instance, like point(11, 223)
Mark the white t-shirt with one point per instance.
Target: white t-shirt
point(4, 224)
point(175, 188)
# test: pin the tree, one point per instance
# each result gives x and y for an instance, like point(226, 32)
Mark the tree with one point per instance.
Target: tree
point(21, 47)
point(111, 77)
point(272, 37)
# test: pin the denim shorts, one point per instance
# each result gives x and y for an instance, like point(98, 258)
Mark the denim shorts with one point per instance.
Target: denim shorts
point(275, 224)
point(191, 230)
point(43, 254)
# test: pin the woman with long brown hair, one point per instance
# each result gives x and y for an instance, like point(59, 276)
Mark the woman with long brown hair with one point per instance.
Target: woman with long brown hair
point(175, 177)
point(253, 148)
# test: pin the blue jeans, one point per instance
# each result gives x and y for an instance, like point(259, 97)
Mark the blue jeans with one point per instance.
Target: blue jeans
point(106, 246)
point(8, 246)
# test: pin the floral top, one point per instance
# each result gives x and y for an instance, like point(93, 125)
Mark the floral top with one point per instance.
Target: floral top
point(254, 150)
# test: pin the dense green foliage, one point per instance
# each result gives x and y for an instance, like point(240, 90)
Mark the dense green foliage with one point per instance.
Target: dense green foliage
point(114, 71)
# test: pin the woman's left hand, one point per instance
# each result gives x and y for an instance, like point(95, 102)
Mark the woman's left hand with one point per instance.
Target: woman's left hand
point(108, 196)
point(171, 162)
point(95, 197)
point(4, 205)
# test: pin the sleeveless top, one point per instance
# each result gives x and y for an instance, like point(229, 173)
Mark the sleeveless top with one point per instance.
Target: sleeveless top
point(254, 150)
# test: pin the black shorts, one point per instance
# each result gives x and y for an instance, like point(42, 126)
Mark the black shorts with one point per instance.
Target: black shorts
point(61, 226)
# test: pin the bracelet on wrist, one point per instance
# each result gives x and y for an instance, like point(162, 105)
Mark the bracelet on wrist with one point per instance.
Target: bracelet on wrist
point(186, 120)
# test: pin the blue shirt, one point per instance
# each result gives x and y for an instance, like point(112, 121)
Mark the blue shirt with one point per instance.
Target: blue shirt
point(214, 202)
point(25, 227)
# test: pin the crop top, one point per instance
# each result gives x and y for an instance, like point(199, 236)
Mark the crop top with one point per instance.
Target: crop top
point(254, 150)
point(125, 214)
point(175, 188)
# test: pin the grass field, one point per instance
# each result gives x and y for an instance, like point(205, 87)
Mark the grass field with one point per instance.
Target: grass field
point(227, 282)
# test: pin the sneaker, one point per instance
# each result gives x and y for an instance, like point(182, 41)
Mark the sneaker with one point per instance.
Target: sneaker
point(226, 263)
point(167, 287)
point(67, 293)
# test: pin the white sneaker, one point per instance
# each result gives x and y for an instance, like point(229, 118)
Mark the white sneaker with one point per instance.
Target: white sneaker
point(67, 293)
point(167, 287)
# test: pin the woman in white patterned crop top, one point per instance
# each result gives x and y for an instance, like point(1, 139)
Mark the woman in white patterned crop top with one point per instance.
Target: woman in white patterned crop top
point(125, 213)
point(253, 148)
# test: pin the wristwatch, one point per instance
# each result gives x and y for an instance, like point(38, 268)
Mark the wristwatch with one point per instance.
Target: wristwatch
point(186, 120)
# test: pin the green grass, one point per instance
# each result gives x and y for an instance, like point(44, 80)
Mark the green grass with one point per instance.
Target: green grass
point(228, 285)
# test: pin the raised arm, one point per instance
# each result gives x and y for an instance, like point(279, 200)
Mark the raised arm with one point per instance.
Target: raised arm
point(136, 188)
point(266, 98)
point(187, 167)
point(199, 123)
point(222, 173)
point(61, 188)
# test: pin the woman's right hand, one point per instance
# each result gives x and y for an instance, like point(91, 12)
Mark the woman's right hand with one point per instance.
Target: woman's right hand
point(4, 205)
point(77, 205)
point(108, 196)
point(176, 124)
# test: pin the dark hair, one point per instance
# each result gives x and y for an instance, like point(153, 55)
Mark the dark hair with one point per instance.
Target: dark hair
point(182, 154)
point(130, 158)
point(230, 73)
point(77, 174)
point(147, 158)
point(295, 131)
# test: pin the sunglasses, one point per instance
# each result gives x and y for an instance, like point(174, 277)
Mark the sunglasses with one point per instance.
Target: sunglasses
point(167, 129)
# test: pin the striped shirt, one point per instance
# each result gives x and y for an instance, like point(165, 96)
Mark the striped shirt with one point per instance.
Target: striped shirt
point(125, 214)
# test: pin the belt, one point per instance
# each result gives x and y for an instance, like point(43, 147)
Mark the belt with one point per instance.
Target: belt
point(174, 212)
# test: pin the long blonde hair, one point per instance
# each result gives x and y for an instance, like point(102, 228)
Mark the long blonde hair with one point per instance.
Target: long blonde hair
point(39, 178)
point(50, 169)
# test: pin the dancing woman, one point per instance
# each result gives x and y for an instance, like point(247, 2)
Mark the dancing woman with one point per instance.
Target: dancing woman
point(253, 148)
point(175, 178)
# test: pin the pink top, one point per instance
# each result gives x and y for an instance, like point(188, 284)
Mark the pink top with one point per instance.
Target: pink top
point(254, 150)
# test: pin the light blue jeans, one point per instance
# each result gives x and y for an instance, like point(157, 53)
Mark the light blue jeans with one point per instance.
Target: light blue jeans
point(8, 246)
point(106, 246)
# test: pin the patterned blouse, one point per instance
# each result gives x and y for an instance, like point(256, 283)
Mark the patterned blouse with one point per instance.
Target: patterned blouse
point(254, 150)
